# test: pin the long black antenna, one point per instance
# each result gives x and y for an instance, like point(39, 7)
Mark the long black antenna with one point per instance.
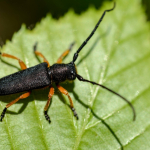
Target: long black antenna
point(88, 38)
point(84, 80)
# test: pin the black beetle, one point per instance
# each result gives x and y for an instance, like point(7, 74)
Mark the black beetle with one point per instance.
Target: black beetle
point(43, 75)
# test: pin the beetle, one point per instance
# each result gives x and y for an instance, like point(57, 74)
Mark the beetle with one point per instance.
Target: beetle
point(43, 75)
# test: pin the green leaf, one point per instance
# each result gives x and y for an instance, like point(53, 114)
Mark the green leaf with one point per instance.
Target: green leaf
point(117, 56)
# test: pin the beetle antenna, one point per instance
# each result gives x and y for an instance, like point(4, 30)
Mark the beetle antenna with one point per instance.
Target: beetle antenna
point(88, 38)
point(104, 87)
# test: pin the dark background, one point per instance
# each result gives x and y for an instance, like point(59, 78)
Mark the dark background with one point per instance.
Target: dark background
point(15, 12)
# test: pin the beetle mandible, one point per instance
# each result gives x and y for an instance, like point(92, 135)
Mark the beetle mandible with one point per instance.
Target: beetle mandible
point(43, 75)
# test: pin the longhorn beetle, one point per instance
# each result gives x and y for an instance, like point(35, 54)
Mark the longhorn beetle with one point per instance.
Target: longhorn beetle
point(43, 75)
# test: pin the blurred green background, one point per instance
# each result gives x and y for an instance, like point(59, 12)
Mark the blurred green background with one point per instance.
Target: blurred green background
point(13, 13)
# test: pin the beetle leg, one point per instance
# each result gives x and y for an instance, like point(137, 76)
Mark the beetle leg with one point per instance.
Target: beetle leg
point(64, 91)
point(60, 59)
point(25, 95)
point(51, 93)
point(40, 54)
point(22, 64)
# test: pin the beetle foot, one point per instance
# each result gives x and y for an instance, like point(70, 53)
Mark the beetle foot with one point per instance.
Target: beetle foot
point(47, 117)
point(3, 113)
point(75, 113)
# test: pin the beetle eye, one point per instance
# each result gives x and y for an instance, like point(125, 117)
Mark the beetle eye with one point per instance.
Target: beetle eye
point(72, 73)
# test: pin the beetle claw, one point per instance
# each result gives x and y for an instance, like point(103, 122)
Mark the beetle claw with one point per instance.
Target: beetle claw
point(47, 116)
point(3, 113)
point(75, 113)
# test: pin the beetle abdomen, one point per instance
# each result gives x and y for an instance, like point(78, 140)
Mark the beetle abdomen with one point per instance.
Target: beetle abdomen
point(25, 80)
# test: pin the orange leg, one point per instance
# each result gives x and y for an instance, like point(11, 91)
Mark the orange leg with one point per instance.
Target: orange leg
point(51, 93)
point(25, 95)
point(60, 59)
point(62, 90)
point(40, 54)
point(22, 64)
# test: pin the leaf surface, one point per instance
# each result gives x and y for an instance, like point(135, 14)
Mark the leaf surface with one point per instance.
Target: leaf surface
point(117, 56)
